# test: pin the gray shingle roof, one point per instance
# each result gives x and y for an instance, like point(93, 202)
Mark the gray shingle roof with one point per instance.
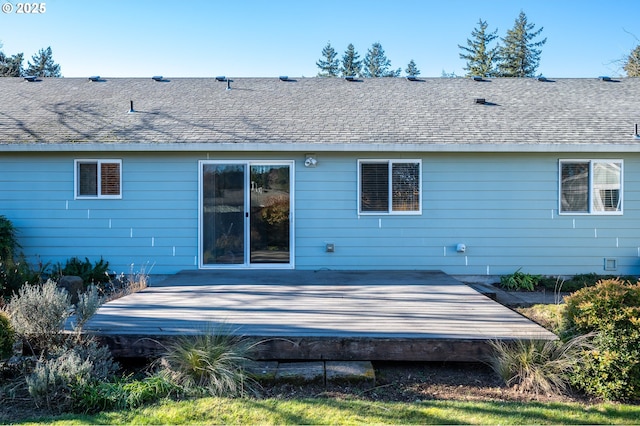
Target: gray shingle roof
point(266, 113)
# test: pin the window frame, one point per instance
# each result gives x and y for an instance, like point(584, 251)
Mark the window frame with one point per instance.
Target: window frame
point(590, 199)
point(390, 211)
point(98, 163)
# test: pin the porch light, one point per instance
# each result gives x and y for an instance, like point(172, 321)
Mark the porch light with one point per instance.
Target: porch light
point(310, 160)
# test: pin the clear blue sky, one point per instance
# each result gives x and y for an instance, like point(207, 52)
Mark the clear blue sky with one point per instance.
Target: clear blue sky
point(264, 38)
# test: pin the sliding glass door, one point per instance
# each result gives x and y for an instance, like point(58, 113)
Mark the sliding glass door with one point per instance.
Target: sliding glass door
point(245, 214)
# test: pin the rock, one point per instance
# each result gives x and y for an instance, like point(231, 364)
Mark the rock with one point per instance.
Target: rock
point(73, 285)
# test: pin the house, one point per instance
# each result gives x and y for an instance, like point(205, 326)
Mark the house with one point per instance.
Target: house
point(469, 176)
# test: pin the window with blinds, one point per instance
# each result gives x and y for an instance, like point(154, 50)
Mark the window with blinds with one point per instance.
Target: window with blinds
point(591, 186)
point(98, 178)
point(389, 187)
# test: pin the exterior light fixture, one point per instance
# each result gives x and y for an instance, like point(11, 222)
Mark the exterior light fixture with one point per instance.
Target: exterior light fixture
point(310, 160)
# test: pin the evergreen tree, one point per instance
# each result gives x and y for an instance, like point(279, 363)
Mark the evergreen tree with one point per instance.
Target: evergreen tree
point(412, 69)
point(632, 66)
point(11, 66)
point(376, 63)
point(481, 59)
point(43, 65)
point(351, 63)
point(520, 54)
point(329, 64)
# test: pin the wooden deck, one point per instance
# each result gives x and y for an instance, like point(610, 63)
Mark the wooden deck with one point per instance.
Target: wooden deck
point(323, 315)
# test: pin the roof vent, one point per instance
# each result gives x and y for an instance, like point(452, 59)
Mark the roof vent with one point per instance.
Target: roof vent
point(636, 135)
point(413, 78)
point(131, 110)
point(221, 78)
point(542, 78)
point(95, 78)
point(31, 78)
point(478, 78)
point(350, 78)
point(229, 84)
point(480, 101)
point(604, 78)
point(157, 78)
point(284, 78)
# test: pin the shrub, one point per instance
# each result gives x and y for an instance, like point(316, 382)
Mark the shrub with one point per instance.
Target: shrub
point(212, 363)
point(8, 240)
point(539, 366)
point(18, 272)
point(519, 281)
point(7, 336)
point(78, 364)
point(90, 273)
point(612, 310)
point(38, 314)
point(88, 304)
point(50, 382)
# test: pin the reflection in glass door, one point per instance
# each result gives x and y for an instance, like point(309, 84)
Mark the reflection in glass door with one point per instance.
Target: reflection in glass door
point(245, 214)
point(270, 213)
point(223, 214)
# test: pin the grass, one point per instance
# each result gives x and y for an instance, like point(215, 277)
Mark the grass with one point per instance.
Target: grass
point(355, 411)
point(547, 315)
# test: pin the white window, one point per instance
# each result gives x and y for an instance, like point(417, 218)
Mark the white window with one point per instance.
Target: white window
point(389, 187)
point(98, 178)
point(591, 186)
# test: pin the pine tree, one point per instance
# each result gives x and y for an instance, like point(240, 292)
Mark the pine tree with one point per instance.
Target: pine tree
point(632, 66)
point(11, 66)
point(351, 63)
point(43, 65)
point(376, 63)
point(481, 59)
point(412, 69)
point(329, 64)
point(520, 55)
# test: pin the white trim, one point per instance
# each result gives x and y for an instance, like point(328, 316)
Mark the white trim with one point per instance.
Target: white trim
point(591, 162)
point(98, 162)
point(390, 211)
point(247, 263)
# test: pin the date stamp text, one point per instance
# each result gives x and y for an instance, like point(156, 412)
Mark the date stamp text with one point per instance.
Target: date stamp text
point(24, 8)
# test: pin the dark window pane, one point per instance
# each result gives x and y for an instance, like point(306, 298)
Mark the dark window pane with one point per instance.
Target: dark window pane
point(575, 187)
point(88, 179)
point(374, 187)
point(406, 186)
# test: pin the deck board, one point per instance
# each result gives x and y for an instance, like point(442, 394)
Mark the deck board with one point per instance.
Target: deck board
point(408, 306)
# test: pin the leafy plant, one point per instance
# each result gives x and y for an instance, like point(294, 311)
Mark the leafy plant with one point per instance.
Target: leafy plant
point(519, 281)
point(212, 363)
point(122, 394)
point(95, 273)
point(539, 366)
point(611, 309)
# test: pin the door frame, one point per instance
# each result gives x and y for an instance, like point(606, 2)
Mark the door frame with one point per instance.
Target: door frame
point(247, 223)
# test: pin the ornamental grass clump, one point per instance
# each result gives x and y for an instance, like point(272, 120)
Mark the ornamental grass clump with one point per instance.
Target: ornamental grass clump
point(538, 366)
point(213, 363)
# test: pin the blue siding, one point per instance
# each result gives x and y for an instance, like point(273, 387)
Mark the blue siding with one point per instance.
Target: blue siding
point(504, 207)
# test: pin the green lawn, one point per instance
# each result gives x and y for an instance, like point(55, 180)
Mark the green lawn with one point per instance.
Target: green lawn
point(353, 411)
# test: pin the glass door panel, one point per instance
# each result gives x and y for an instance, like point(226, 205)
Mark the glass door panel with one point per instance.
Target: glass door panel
point(223, 214)
point(270, 207)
